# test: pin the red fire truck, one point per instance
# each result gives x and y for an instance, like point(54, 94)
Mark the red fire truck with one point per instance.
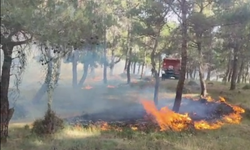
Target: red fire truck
point(171, 68)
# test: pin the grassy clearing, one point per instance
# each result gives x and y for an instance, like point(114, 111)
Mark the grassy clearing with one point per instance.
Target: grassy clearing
point(229, 137)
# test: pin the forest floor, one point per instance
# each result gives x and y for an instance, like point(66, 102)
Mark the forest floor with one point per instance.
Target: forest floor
point(97, 98)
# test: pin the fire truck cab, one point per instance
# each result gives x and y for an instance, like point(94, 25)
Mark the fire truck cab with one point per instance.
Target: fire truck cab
point(171, 68)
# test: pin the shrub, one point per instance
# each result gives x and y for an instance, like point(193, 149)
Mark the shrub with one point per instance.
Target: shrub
point(49, 125)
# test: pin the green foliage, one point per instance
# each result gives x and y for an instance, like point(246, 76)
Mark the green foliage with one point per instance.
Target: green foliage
point(49, 125)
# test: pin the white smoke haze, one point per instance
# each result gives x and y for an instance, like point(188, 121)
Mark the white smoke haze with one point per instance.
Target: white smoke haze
point(121, 100)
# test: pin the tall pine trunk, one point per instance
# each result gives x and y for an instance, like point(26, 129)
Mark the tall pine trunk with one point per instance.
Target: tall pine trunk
point(126, 62)
point(85, 74)
point(154, 71)
point(74, 68)
point(139, 68)
point(142, 69)
point(240, 75)
point(194, 73)
point(134, 67)
point(230, 74)
point(234, 70)
point(105, 58)
point(128, 66)
point(209, 74)
point(6, 112)
point(227, 73)
point(180, 85)
point(201, 71)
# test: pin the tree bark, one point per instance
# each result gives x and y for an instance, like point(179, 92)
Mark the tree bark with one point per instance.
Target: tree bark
point(142, 69)
point(112, 63)
point(180, 85)
point(154, 71)
point(209, 74)
point(234, 70)
point(128, 66)
point(126, 62)
point(131, 65)
point(241, 71)
point(194, 73)
point(85, 74)
point(139, 68)
point(134, 67)
point(58, 64)
point(187, 74)
point(157, 82)
point(246, 73)
point(201, 71)
point(105, 59)
point(225, 78)
point(156, 91)
point(6, 112)
point(230, 75)
point(74, 68)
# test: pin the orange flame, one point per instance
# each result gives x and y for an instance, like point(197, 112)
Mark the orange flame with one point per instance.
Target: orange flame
point(167, 119)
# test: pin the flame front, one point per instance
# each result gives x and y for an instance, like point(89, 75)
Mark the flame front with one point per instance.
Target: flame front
point(168, 119)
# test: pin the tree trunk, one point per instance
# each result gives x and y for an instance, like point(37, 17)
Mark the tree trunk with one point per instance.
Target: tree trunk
point(58, 64)
point(154, 71)
point(131, 65)
point(209, 74)
point(194, 73)
point(180, 85)
point(111, 65)
point(230, 75)
point(228, 70)
point(246, 73)
point(142, 69)
point(139, 68)
point(74, 68)
point(157, 82)
point(190, 72)
point(134, 67)
point(187, 74)
point(6, 112)
point(201, 71)
point(156, 91)
point(126, 63)
point(128, 66)
point(209, 68)
point(241, 71)
point(85, 74)
point(105, 59)
point(159, 65)
point(234, 70)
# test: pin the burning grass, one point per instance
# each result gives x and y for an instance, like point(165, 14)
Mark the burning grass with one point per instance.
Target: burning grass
point(217, 114)
point(167, 119)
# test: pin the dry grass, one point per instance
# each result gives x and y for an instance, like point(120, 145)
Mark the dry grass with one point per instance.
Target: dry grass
point(229, 137)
